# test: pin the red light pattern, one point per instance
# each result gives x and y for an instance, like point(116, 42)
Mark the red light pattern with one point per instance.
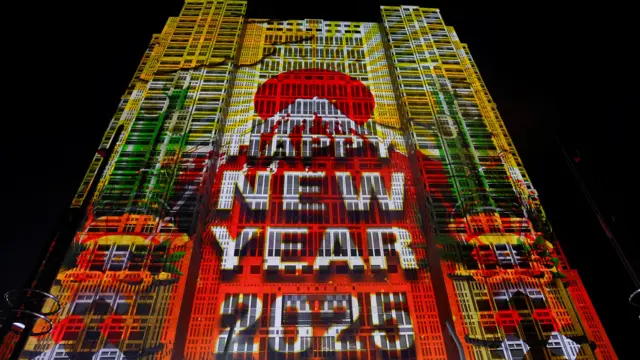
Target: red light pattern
point(349, 95)
point(363, 267)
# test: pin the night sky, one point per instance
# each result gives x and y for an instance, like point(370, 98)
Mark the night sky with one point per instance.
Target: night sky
point(553, 71)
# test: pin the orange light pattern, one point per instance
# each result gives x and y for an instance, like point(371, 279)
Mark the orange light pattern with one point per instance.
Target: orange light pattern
point(312, 189)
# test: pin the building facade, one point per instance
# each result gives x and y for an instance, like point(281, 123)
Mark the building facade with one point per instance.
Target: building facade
point(312, 189)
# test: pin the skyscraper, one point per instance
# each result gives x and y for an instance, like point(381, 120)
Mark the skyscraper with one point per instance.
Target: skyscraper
point(311, 189)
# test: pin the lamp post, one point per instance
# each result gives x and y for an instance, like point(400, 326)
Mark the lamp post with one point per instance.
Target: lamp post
point(634, 299)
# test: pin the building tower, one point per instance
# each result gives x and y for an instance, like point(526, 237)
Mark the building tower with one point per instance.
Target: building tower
point(311, 189)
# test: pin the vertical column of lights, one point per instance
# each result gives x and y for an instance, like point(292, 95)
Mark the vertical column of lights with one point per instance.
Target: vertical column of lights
point(9, 343)
point(204, 312)
point(502, 269)
point(429, 338)
point(589, 317)
point(258, 61)
point(123, 280)
point(297, 56)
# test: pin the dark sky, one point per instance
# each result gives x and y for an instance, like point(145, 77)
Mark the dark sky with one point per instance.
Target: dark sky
point(552, 70)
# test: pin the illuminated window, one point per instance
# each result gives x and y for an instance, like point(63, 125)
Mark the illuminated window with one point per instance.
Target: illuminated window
point(108, 354)
point(123, 304)
point(82, 303)
point(91, 339)
point(102, 305)
point(136, 335)
point(59, 353)
point(144, 305)
point(118, 258)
